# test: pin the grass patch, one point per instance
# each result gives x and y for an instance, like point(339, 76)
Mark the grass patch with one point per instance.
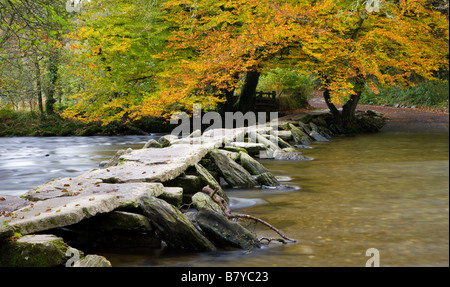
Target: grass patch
point(425, 94)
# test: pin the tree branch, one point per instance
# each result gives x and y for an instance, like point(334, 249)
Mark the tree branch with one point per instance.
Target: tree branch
point(227, 211)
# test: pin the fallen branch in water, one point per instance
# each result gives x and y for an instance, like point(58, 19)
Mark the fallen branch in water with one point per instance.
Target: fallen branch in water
point(227, 211)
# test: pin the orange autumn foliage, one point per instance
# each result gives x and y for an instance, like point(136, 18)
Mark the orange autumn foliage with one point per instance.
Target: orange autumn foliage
point(350, 45)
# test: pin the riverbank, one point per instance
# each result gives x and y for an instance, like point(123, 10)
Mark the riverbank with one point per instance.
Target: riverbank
point(24, 123)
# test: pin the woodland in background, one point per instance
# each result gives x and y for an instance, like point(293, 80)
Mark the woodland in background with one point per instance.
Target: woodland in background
point(123, 64)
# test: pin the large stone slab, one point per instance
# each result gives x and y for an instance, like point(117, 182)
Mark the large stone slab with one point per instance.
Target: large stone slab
point(59, 212)
point(68, 210)
point(62, 187)
point(10, 203)
point(153, 165)
point(85, 185)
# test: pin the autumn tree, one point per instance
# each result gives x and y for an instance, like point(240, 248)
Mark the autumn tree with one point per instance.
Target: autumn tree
point(29, 39)
point(350, 45)
point(371, 43)
point(111, 66)
point(131, 63)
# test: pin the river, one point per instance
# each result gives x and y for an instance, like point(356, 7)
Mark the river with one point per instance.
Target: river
point(388, 191)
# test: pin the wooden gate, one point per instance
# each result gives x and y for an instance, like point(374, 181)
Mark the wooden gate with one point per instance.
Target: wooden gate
point(266, 102)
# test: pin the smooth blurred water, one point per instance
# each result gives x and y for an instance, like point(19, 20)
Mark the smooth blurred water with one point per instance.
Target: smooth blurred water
point(388, 191)
point(26, 162)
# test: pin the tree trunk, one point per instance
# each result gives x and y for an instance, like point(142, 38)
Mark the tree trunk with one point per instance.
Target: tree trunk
point(53, 74)
point(228, 105)
point(331, 106)
point(39, 86)
point(246, 100)
point(348, 110)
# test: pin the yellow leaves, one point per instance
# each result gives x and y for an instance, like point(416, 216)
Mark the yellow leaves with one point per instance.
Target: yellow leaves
point(207, 45)
point(75, 47)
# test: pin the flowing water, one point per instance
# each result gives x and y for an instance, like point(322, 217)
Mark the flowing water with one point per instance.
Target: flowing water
point(388, 191)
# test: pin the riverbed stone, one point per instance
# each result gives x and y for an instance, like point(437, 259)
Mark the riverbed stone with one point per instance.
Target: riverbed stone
point(224, 233)
point(115, 160)
point(173, 195)
point(252, 165)
point(318, 137)
point(173, 227)
point(202, 201)
point(116, 221)
point(235, 149)
point(302, 147)
point(233, 173)
point(153, 144)
point(288, 155)
point(284, 135)
point(92, 261)
point(189, 183)
point(281, 143)
point(6, 231)
point(34, 251)
point(314, 127)
point(251, 148)
point(271, 147)
point(299, 136)
point(233, 155)
point(167, 140)
point(267, 179)
point(208, 179)
point(304, 127)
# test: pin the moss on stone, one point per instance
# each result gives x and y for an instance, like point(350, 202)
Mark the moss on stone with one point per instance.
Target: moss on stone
point(34, 251)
